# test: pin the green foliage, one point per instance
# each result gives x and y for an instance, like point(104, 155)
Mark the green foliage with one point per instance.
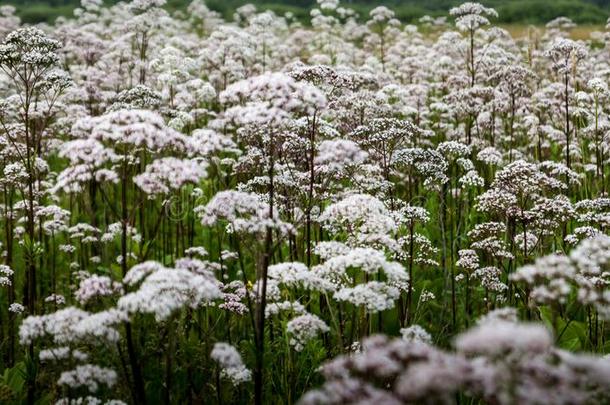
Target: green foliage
point(42, 12)
point(536, 11)
point(571, 334)
point(12, 384)
point(511, 11)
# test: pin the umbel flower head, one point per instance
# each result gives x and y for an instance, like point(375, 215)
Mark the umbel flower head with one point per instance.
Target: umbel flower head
point(165, 290)
point(565, 54)
point(272, 97)
point(241, 212)
point(29, 48)
point(500, 361)
point(169, 174)
point(363, 217)
point(136, 129)
point(304, 328)
point(230, 362)
point(470, 16)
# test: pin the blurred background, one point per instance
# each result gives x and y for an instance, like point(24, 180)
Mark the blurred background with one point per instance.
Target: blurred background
point(516, 13)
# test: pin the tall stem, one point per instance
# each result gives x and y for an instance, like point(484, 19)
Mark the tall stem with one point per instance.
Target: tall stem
point(260, 320)
point(567, 116)
point(139, 394)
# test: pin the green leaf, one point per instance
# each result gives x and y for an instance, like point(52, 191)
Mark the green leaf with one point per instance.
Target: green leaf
point(14, 377)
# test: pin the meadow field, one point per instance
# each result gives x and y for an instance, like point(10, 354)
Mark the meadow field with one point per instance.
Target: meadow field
point(344, 206)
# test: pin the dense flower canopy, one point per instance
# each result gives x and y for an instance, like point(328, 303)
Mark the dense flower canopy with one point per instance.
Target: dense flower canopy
point(355, 210)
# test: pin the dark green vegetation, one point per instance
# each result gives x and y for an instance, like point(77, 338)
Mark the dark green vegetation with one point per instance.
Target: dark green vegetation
point(511, 11)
